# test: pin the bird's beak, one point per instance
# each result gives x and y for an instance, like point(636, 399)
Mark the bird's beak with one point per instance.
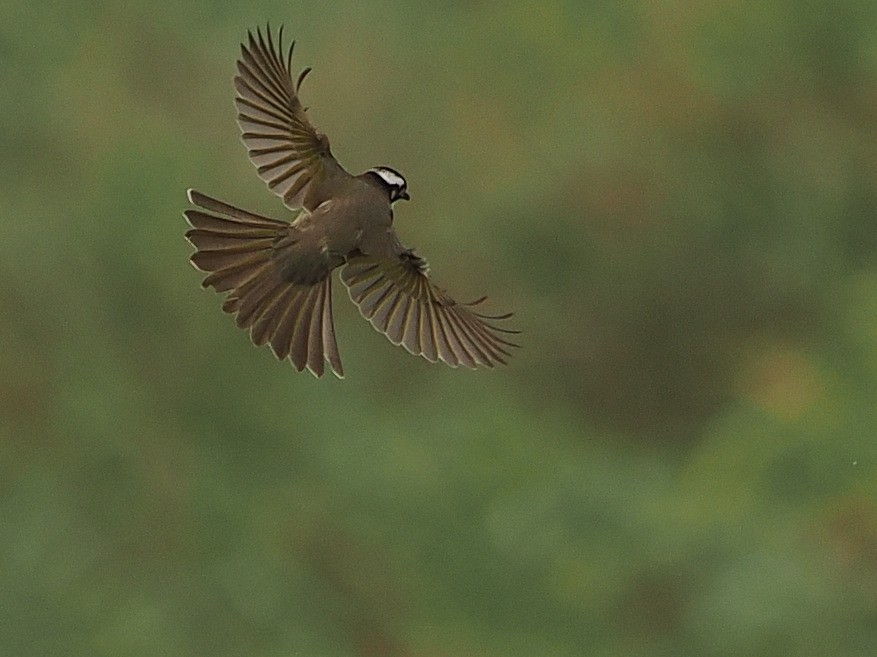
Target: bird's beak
point(404, 195)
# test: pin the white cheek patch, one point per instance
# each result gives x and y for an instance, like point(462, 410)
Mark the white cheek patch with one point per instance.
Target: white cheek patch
point(392, 178)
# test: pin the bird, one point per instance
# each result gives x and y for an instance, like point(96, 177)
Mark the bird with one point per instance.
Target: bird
point(277, 275)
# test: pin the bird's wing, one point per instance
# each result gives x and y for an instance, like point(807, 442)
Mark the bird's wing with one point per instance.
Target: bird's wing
point(244, 255)
point(398, 298)
point(290, 154)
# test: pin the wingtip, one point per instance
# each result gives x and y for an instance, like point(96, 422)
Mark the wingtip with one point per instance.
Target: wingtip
point(262, 43)
point(301, 78)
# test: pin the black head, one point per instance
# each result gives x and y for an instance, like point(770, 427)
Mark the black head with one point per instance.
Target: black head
point(393, 181)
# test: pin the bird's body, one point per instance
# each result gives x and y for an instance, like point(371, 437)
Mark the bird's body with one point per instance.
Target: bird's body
point(356, 217)
point(337, 228)
point(278, 274)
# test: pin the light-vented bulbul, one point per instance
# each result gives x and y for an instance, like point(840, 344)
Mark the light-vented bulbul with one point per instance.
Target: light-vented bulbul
point(278, 275)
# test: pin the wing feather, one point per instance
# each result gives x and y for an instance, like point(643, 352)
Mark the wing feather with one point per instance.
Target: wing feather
point(400, 301)
point(290, 154)
point(468, 341)
point(428, 337)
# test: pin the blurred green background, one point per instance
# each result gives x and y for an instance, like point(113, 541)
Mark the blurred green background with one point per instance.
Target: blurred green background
point(679, 200)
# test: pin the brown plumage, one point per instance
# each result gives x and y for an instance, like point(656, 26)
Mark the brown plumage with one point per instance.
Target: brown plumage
point(278, 275)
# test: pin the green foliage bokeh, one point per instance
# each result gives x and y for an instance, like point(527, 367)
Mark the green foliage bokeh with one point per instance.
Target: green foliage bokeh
point(678, 199)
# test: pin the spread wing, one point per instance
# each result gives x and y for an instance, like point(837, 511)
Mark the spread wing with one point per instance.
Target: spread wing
point(400, 301)
point(290, 154)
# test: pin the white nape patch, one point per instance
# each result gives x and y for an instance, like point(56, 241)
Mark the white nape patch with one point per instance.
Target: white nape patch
point(392, 178)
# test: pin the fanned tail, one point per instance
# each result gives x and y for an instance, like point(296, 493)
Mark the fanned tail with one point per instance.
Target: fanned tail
point(236, 248)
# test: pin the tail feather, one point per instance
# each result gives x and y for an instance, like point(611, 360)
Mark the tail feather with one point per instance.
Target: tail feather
point(329, 344)
point(252, 228)
point(301, 336)
point(256, 300)
point(210, 241)
point(223, 280)
point(237, 249)
point(315, 358)
point(266, 324)
point(230, 211)
point(223, 263)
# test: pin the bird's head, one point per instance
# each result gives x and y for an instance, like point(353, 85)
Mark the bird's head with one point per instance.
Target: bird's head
point(393, 181)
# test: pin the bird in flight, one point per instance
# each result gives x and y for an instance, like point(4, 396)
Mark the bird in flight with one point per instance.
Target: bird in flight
point(277, 275)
